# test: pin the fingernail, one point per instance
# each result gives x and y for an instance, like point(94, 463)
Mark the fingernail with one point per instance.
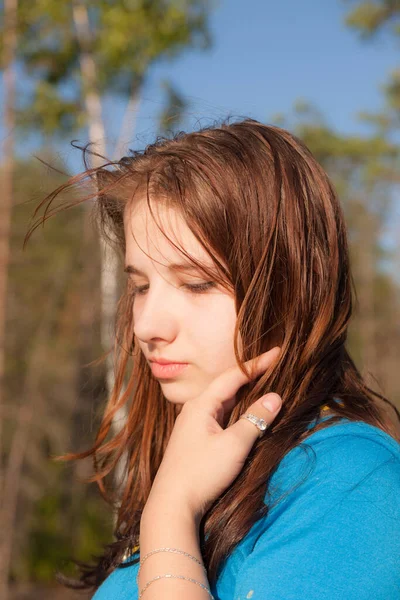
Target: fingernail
point(272, 402)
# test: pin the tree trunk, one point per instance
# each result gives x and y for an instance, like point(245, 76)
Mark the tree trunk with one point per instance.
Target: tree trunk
point(108, 259)
point(128, 121)
point(6, 202)
point(25, 413)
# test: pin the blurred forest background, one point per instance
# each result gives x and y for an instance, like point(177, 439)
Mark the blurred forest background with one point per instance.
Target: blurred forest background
point(57, 298)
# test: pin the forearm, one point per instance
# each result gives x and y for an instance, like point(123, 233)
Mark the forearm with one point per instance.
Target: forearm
point(171, 528)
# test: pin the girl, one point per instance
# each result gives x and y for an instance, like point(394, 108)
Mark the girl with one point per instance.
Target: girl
point(259, 464)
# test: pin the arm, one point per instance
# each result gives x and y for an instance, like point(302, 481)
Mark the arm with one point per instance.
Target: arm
point(200, 461)
point(172, 528)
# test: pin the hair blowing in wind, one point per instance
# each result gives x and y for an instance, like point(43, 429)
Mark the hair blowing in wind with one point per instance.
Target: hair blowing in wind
point(266, 212)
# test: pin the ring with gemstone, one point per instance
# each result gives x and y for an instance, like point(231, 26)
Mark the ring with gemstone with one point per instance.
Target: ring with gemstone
point(261, 424)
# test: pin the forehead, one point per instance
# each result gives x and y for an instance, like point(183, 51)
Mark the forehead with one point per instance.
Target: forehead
point(143, 235)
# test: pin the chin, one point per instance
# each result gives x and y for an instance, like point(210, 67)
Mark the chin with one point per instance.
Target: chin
point(179, 391)
point(175, 397)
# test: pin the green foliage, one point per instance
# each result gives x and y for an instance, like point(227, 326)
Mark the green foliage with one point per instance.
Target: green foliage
point(56, 537)
point(50, 111)
point(369, 17)
point(54, 287)
point(364, 170)
point(132, 35)
point(58, 516)
point(392, 90)
point(331, 147)
point(48, 542)
point(126, 39)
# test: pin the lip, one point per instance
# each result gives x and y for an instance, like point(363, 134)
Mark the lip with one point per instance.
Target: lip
point(168, 370)
point(164, 361)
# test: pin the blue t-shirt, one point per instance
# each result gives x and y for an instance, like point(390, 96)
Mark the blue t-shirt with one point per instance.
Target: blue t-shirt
point(336, 535)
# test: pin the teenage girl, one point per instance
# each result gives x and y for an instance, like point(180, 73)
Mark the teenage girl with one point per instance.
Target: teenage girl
point(258, 463)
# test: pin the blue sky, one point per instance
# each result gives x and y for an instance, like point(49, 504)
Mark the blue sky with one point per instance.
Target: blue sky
point(266, 55)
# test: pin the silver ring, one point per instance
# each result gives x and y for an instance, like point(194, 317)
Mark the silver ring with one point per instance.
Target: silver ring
point(261, 424)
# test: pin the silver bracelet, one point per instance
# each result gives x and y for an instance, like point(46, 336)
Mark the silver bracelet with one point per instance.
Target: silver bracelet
point(175, 577)
point(176, 551)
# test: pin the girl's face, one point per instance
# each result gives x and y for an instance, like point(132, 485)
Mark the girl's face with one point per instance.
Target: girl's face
point(172, 321)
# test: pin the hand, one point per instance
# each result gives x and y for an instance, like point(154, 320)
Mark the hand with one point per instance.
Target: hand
point(202, 459)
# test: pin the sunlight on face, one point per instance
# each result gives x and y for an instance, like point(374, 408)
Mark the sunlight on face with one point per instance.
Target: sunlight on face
point(172, 321)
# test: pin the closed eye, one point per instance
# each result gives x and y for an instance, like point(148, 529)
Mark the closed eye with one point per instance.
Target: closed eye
point(198, 288)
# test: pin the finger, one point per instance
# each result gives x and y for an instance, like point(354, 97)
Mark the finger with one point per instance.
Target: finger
point(247, 433)
point(224, 387)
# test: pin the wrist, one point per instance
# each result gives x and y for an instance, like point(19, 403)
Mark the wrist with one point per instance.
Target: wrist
point(168, 510)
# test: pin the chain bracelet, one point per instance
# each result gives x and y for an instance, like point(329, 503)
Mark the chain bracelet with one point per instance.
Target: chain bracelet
point(176, 551)
point(168, 575)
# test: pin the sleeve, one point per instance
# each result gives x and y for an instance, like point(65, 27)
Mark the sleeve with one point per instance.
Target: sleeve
point(337, 535)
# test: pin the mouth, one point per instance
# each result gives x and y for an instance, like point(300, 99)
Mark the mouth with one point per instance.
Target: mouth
point(167, 371)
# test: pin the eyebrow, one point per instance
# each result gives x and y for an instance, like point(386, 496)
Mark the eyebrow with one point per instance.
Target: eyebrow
point(172, 267)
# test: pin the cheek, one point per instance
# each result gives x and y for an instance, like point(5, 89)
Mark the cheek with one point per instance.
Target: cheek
point(215, 335)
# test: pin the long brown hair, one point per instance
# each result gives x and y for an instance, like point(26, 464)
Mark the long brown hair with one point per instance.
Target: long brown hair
point(258, 201)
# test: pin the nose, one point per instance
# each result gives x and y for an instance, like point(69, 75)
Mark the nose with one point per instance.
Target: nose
point(156, 313)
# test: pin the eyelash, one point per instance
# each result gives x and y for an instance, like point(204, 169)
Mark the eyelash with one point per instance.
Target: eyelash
point(200, 288)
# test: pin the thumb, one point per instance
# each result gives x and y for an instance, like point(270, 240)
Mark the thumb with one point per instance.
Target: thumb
point(272, 402)
point(267, 407)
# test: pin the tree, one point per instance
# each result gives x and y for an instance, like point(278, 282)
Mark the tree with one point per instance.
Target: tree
point(86, 49)
point(369, 19)
point(364, 171)
point(7, 174)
